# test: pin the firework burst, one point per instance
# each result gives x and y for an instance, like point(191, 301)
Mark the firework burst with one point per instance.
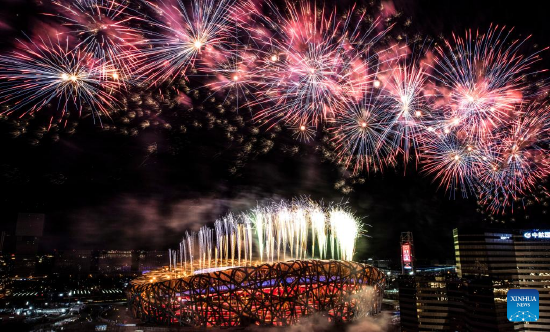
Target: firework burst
point(360, 134)
point(182, 31)
point(303, 133)
point(408, 112)
point(232, 74)
point(312, 63)
point(104, 29)
point(47, 72)
point(485, 75)
point(451, 160)
point(517, 160)
point(474, 117)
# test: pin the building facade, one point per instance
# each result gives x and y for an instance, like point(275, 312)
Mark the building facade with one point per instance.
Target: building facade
point(28, 232)
point(507, 259)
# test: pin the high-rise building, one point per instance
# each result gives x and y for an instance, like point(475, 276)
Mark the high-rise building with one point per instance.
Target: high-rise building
point(143, 260)
point(506, 259)
point(423, 303)
point(115, 261)
point(28, 231)
point(449, 303)
point(73, 261)
point(407, 253)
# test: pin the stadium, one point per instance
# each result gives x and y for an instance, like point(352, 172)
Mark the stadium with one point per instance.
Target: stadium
point(224, 277)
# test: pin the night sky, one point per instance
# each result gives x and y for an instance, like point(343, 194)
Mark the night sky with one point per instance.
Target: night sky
point(140, 183)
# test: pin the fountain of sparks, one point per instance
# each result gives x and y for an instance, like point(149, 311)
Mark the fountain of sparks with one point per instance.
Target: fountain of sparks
point(282, 231)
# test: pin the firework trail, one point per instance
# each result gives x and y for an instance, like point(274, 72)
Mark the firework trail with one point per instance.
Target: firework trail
point(104, 29)
point(47, 71)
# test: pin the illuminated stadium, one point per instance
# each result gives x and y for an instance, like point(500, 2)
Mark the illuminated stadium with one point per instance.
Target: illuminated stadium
point(259, 268)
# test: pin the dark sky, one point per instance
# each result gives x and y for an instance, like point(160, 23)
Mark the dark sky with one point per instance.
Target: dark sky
point(126, 186)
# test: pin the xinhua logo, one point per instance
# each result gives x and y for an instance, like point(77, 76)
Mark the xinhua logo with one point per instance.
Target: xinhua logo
point(523, 305)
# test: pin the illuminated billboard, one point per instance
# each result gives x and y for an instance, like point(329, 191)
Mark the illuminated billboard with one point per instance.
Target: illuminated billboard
point(406, 255)
point(536, 234)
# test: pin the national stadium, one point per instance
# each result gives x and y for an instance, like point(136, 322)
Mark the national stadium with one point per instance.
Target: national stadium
point(258, 268)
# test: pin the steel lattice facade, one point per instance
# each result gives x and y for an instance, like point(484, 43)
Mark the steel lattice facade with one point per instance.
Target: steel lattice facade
point(267, 294)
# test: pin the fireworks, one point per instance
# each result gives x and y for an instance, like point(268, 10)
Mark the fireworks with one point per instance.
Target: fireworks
point(361, 134)
point(486, 79)
point(519, 161)
point(485, 141)
point(104, 29)
point(49, 72)
point(312, 63)
point(232, 75)
point(451, 160)
point(470, 112)
point(180, 32)
point(407, 112)
point(279, 231)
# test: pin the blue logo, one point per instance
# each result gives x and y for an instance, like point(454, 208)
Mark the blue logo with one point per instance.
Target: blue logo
point(523, 305)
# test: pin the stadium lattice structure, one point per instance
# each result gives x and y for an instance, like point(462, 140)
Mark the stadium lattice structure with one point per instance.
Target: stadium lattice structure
point(276, 294)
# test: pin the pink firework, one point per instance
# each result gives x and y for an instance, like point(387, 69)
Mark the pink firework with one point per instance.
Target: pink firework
point(514, 163)
point(483, 80)
point(451, 160)
point(360, 134)
point(182, 31)
point(45, 73)
point(311, 63)
point(105, 29)
point(408, 114)
point(231, 74)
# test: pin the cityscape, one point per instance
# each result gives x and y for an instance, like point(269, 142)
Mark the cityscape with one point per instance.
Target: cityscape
point(279, 165)
point(89, 289)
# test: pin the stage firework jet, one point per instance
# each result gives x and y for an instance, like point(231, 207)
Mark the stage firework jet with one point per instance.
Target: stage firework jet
point(277, 231)
point(48, 73)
